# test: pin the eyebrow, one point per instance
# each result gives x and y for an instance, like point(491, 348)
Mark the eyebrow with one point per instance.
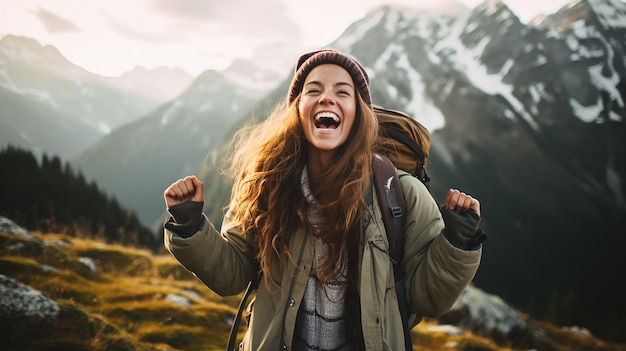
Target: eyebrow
point(316, 82)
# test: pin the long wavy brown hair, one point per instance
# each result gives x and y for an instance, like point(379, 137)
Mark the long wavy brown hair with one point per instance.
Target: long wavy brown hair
point(267, 201)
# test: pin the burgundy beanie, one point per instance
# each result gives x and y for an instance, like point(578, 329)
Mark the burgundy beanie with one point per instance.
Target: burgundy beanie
point(308, 61)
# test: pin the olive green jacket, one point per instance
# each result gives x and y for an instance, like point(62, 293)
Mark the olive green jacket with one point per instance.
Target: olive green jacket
point(436, 273)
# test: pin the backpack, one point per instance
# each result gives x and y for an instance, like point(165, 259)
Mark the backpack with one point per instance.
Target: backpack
point(404, 143)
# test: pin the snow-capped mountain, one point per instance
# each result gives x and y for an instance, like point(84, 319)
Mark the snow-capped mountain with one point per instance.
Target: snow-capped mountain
point(530, 119)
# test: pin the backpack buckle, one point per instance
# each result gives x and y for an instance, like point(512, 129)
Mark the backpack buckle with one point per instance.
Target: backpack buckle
point(392, 200)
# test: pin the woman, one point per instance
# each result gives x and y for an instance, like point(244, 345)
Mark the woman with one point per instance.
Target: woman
point(299, 219)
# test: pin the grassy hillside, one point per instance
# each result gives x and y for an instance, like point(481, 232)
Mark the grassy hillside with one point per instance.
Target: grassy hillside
point(132, 301)
point(112, 297)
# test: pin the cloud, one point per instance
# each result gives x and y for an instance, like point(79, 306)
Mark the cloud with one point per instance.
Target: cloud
point(54, 23)
point(195, 9)
point(248, 20)
point(142, 31)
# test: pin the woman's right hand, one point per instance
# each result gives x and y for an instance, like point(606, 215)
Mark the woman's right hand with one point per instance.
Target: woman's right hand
point(186, 189)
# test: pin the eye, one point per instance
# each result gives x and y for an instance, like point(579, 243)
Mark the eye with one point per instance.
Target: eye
point(312, 91)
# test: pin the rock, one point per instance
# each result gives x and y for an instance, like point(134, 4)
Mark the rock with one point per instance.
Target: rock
point(10, 227)
point(17, 299)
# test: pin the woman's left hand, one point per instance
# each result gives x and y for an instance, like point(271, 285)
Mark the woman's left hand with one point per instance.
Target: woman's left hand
point(461, 202)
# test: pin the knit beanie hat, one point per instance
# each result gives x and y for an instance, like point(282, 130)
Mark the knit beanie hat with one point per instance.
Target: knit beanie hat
point(308, 61)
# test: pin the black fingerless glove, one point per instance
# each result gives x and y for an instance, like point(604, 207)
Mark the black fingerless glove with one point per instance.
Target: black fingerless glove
point(185, 219)
point(462, 229)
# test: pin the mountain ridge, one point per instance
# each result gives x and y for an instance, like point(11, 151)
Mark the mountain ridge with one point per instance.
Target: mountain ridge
point(181, 132)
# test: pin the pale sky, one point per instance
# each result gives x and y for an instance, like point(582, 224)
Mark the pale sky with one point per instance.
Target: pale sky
point(109, 37)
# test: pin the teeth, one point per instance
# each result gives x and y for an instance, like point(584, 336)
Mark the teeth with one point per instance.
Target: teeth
point(327, 120)
point(321, 115)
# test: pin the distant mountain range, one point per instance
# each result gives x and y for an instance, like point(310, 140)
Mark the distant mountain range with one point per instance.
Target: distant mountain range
point(528, 117)
point(138, 161)
point(51, 105)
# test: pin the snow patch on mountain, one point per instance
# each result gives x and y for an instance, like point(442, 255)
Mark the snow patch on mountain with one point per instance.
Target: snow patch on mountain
point(420, 105)
point(354, 33)
point(171, 111)
point(588, 44)
point(537, 93)
point(104, 127)
point(255, 77)
point(615, 184)
point(467, 61)
point(586, 113)
point(611, 13)
point(38, 94)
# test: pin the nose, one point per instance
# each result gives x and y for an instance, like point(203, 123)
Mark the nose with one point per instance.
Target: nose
point(326, 98)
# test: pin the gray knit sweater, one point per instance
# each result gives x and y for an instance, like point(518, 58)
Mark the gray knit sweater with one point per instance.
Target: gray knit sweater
point(320, 320)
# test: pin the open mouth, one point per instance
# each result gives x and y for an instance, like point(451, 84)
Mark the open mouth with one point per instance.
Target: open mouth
point(327, 120)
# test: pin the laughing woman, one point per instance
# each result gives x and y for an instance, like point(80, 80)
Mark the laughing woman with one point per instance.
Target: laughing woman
point(298, 220)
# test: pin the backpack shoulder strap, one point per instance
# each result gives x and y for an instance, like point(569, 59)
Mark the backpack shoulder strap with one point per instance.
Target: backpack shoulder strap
point(392, 205)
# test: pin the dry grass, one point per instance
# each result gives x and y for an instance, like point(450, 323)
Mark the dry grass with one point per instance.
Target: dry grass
point(427, 338)
point(123, 305)
point(126, 303)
